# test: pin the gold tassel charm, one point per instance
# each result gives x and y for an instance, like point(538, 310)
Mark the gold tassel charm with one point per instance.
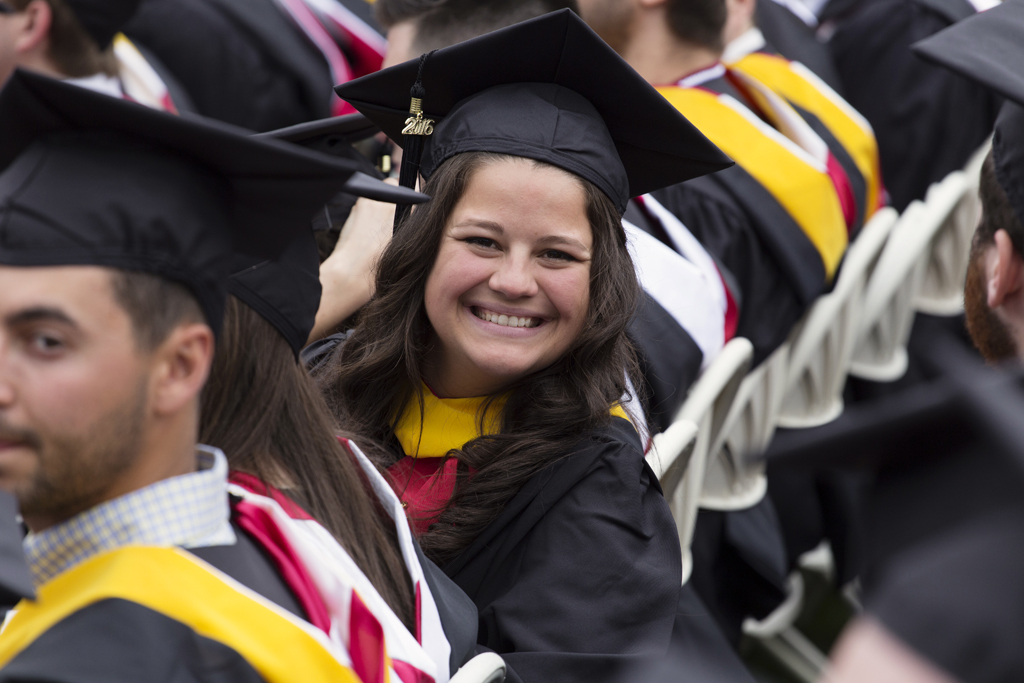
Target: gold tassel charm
point(417, 124)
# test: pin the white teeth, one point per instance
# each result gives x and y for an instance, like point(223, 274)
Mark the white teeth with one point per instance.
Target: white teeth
point(504, 320)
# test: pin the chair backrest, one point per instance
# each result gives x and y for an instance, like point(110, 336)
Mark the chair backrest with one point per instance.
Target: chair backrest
point(880, 352)
point(486, 667)
point(731, 481)
point(954, 202)
point(680, 466)
point(822, 345)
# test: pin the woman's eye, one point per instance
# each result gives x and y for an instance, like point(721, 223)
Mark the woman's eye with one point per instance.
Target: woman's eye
point(480, 241)
point(557, 255)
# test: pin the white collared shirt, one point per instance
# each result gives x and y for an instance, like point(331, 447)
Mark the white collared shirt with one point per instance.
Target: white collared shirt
point(188, 511)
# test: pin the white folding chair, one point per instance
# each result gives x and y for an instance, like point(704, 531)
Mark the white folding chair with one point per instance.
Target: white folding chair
point(880, 350)
point(822, 345)
point(942, 292)
point(679, 465)
point(486, 667)
point(731, 481)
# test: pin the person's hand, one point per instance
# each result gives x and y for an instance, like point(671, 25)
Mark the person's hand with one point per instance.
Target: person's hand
point(347, 274)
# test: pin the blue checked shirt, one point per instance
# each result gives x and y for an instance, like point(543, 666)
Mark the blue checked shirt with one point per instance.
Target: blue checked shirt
point(188, 511)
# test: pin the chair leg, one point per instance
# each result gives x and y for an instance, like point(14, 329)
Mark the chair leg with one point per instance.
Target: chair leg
point(797, 654)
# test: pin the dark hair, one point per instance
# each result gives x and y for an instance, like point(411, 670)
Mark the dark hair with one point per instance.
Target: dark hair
point(997, 213)
point(72, 49)
point(373, 377)
point(453, 21)
point(699, 22)
point(154, 305)
point(261, 408)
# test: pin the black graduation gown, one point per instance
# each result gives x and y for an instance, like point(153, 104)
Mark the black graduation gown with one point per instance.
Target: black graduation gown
point(928, 120)
point(788, 35)
point(579, 576)
point(241, 61)
point(722, 212)
point(669, 359)
point(118, 641)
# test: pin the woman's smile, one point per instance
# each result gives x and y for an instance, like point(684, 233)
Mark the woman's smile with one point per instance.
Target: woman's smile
point(506, 319)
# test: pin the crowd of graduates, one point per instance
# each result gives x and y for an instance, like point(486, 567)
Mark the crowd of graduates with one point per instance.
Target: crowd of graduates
point(336, 337)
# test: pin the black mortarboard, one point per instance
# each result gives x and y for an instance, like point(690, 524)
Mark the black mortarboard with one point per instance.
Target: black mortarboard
point(103, 19)
point(15, 580)
point(334, 136)
point(88, 179)
point(937, 454)
point(988, 47)
point(548, 89)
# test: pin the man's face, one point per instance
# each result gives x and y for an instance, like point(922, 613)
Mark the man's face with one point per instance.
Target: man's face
point(73, 388)
point(988, 331)
point(611, 19)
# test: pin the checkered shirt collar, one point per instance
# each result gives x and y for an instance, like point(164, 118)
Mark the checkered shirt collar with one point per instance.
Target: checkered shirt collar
point(189, 511)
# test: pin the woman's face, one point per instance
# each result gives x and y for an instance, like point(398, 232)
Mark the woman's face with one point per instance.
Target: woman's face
point(510, 289)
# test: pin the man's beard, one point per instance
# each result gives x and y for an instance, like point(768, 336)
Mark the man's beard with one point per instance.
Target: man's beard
point(74, 470)
point(989, 333)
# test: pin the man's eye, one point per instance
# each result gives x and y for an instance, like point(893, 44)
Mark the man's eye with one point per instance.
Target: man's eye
point(46, 343)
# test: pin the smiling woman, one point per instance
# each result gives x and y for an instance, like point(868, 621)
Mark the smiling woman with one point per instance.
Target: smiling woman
point(487, 372)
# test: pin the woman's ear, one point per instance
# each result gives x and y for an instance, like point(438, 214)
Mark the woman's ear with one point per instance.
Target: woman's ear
point(181, 366)
point(1003, 272)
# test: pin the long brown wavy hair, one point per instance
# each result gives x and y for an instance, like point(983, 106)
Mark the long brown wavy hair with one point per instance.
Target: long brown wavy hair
point(262, 409)
point(372, 377)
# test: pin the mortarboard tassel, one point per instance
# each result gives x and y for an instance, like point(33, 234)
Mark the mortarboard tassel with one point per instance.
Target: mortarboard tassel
point(416, 128)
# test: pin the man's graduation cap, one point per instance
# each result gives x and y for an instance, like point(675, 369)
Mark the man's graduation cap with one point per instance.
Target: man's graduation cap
point(88, 179)
point(286, 290)
point(547, 89)
point(103, 19)
point(938, 454)
point(15, 580)
point(988, 47)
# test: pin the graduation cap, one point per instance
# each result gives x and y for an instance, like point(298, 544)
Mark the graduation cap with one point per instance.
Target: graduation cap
point(103, 19)
point(988, 48)
point(334, 136)
point(936, 455)
point(286, 290)
point(15, 580)
point(88, 179)
point(547, 89)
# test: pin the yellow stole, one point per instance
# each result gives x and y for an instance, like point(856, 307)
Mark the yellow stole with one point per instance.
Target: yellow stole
point(176, 584)
point(450, 423)
point(801, 87)
point(805, 192)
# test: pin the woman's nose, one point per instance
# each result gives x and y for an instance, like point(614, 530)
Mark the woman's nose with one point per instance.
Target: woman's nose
point(514, 278)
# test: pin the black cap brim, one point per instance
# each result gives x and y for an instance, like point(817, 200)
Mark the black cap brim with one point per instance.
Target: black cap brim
point(334, 136)
point(987, 47)
point(557, 48)
point(275, 186)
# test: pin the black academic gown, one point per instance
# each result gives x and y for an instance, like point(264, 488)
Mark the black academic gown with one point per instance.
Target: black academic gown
point(788, 35)
point(241, 61)
point(117, 641)
point(670, 361)
point(750, 234)
point(579, 576)
point(927, 119)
